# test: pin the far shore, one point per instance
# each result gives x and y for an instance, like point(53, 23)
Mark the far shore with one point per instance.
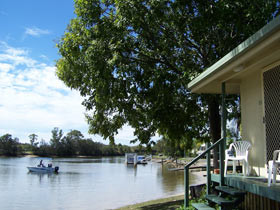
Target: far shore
point(73, 156)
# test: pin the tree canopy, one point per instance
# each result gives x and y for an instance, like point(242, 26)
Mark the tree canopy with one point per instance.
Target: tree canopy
point(8, 145)
point(132, 60)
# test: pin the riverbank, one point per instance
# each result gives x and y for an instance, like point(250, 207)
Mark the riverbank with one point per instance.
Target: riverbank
point(168, 203)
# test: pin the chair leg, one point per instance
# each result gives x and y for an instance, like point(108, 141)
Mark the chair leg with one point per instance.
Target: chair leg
point(233, 167)
point(274, 173)
point(269, 172)
point(244, 168)
point(226, 163)
point(247, 168)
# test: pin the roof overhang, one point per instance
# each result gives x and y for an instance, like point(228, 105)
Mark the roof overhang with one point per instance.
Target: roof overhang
point(257, 52)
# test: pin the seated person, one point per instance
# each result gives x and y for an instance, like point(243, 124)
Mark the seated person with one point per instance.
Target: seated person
point(41, 164)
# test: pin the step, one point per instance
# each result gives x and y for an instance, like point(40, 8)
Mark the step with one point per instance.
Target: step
point(202, 206)
point(230, 190)
point(220, 201)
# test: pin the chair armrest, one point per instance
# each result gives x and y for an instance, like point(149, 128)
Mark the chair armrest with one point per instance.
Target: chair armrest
point(228, 152)
point(275, 155)
point(230, 146)
point(229, 149)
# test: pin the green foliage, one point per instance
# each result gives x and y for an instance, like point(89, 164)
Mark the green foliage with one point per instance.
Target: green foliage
point(33, 139)
point(8, 145)
point(132, 61)
point(74, 143)
point(25, 148)
point(201, 199)
point(44, 149)
point(175, 149)
point(170, 148)
point(55, 141)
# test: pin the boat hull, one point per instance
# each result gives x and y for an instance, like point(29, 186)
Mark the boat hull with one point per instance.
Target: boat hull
point(142, 162)
point(41, 169)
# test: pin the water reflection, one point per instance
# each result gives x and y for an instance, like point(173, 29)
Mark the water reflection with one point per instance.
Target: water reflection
point(84, 183)
point(131, 169)
point(40, 176)
point(170, 180)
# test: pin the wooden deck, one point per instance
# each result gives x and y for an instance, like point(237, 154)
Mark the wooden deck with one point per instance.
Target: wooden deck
point(259, 195)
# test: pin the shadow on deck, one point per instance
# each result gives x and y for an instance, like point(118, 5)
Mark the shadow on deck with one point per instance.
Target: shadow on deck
point(259, 194)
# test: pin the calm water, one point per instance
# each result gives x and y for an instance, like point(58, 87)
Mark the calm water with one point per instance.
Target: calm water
point(85, 183)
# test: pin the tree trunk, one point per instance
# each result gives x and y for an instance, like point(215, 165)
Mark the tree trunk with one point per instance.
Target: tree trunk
point(215, 124)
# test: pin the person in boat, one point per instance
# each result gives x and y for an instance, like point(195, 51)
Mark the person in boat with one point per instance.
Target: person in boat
point(41, 164)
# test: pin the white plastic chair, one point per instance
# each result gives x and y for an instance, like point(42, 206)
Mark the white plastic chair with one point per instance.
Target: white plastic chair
point(272, 166)
point(241, 153)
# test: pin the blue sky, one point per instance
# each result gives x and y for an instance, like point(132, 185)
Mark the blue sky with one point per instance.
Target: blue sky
point(32, 99)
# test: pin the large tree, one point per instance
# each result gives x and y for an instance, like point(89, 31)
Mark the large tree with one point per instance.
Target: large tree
point(132, 61)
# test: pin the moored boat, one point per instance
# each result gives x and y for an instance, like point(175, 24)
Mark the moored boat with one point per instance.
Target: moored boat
point(131, 158)
point(141, 160)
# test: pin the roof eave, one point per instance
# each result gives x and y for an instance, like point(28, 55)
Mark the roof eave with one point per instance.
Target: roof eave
point(249, 43)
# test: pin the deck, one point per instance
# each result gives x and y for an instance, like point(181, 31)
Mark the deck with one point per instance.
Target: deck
point(259, 194)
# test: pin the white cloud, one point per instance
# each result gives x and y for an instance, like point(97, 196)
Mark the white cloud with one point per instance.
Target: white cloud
point(127, 135)
point(34, 100)
point(44, 57)
point(5, 67)
point(34, 31)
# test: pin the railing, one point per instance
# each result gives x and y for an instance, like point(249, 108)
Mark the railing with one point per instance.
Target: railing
point(220, 142)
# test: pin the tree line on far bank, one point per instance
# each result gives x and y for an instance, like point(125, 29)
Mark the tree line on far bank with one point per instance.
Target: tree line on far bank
point(71, 144)
point(75, 144)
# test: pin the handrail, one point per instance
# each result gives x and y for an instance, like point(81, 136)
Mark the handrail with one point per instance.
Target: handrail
point(186, 168)
point(203, 153)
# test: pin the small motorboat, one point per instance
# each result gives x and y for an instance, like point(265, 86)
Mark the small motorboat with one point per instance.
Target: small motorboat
point(141, 160)
point(42, 168)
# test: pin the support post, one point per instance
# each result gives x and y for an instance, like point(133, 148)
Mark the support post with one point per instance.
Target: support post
point(223, 143)
point(186, 181)
point(224, 114)
point(208, 168)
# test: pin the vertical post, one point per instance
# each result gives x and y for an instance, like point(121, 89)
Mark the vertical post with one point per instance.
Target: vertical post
point(186, 181)
point(224, 114)
point(208, 168)
point(223, 143)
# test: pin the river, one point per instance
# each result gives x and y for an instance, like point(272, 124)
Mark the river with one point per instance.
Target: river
point(85, 184)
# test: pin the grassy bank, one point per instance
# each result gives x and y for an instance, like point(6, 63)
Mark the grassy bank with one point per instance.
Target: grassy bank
point(169, 203)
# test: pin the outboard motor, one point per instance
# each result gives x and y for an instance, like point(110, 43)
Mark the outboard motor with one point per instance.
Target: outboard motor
point(56, 169)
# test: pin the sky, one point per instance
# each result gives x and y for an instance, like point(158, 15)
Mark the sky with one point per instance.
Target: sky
point(32, 98)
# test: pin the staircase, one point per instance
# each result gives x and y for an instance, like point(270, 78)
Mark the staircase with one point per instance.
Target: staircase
point(224, 196)
point(227, 199)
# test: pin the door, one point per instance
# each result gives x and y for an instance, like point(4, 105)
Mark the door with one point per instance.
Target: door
point(271, 81)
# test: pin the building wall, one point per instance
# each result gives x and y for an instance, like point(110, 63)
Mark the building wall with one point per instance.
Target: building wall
point(257, 202)
point(253, 128)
